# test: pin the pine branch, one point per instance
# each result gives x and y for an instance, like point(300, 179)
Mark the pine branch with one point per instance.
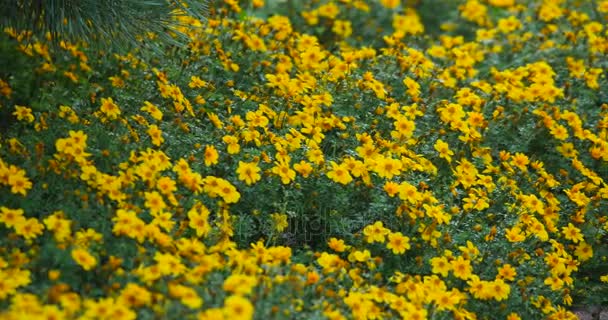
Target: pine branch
point(114, 20)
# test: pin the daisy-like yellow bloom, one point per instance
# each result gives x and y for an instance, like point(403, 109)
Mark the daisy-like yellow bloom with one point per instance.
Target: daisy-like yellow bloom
point(196, 82)
point(572, 233)
point(500, 290)
point(330, 262)
point(441, 265)
point(240, 284)
point(156, 135)
point(446, 300)
point(237, 307)
point(387, 167)
point(342, 28)
point(584, 251)
point(501, 3)
point(462, 268)
point(303, 168)
point(109, 108)
point(515, 234)
point(152, 110)
point(134, 295)
point(513, 316)
point(398, 243)
point(507, 272)
point(413, 88)
point(520, 161)
point(154, 201)
point(232, 144)
point(227, 191)
point(375, 232)
point(339, 173)
point(29, 229)
point(199, 220)
point(248, 172)
point(211, 155)
point(391, 188)
point(391, 4)
point(166, 185)
point(359, 256)
point(284, 171)
point(84, 259)
point(188, 296)
point(337, 244)
point(444, 150)
point(23, 114)
point(280, 221)
point(17, 180)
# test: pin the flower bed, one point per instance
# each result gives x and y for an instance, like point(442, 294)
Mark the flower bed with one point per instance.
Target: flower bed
point(326, 159)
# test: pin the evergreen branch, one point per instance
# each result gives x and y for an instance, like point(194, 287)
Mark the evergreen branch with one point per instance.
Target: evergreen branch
point(114, 20)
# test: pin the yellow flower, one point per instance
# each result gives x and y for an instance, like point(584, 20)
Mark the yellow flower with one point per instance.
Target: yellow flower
point(445, 300)
point(513, 316)
point(211, 155)
point(196, 82)
point(29, 229)
point(391, 4)
point(480, 289)
point(339, 173)
point(84, 258)
point(507, 272)
point(198, 216)
point(279, 221)
point(109, 108)
point(187, 296)
point(152, 110)
point(387, 167)
point(336, 244)
point(584, 251)
point(444, 150)
point(375, 232)
point(211, 314)
point(237, 307)
point(232, 143)
point(359, 256)
point(462, 268)
point(501, 3)
point(23, 114)
point(248, 172)
point(515, 234)
point(134, 295)
point(154, 202)
point(391, 188)
point(413, 88)
point(398, 243)
point(303, 168)
point(227, 191)
point(283, 170)
point(166, 185)
point(342, 28)
point(441, 265)
point(572, 233)
point(156, 135)
point(240, 284)
point(508, 25)
point(520, 161)
point(500, 289)
point(330, 262)
point(18, 181)
point(404, 128)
